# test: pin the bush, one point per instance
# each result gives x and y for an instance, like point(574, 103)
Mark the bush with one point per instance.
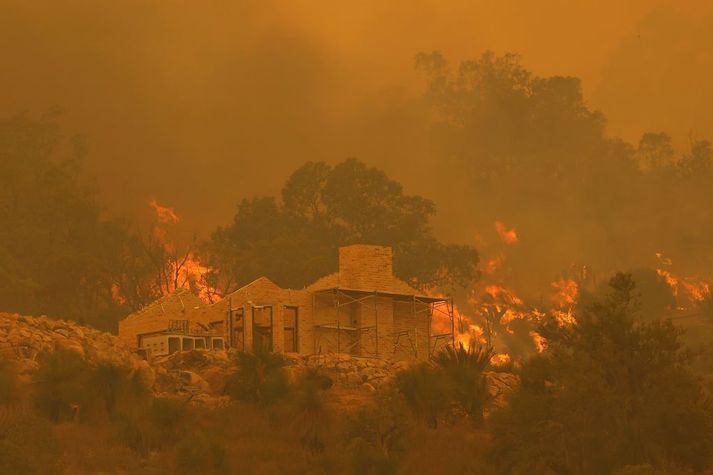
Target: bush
point(310, 417)
point(8, 383)
point(465, 382)
point(260, 378)
point(61, 385)
point(27, 446)
point(199, 453)
point(160, 425)
point(425, 392)
point(383, 425)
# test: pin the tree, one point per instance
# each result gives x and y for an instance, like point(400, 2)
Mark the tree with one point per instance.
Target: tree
point(610, 391)
point(57, 255)
point(294, 241)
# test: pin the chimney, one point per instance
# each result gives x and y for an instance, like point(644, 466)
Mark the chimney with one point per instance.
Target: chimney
point(366, 267)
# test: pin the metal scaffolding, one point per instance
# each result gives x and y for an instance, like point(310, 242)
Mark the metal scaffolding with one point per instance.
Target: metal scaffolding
point(364, 336)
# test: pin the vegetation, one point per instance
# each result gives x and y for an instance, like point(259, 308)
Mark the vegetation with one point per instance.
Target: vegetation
point(260, 377)
point(294, 241)
point(610, 391)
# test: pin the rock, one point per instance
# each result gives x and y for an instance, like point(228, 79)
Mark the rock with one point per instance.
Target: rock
point(368, 387)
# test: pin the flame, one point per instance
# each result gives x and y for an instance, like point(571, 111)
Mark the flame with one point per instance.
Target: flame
point(687, 289)
point(508, 236)
point(500, 359)
point(164, 214)
point(539, 340)
point(175, 269)
point(116, 294)
point(567, 292)
point(670, 279)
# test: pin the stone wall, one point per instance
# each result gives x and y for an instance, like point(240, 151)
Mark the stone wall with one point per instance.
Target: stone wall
point(366, 267)
point(155, 316)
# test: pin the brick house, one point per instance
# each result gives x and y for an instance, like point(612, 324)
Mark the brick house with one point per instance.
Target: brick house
point(362, 310)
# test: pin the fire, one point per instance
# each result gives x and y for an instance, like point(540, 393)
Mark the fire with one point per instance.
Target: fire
point(540, 341)
point(687, 289)
point(173, 269)
point(164, 215)
point(508, 236)
point(500, 359)
point(567, 292)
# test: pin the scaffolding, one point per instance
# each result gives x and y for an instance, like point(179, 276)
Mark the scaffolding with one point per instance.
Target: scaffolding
point(363, 336)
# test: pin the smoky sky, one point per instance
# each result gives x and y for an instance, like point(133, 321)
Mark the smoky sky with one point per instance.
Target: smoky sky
point(199, 104)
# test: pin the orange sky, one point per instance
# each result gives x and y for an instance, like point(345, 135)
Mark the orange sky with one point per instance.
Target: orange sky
point(224, 98)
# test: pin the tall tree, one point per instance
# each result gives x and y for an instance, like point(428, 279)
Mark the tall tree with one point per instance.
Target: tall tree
point(294, 240)
point(610, 391)
point(58, 256)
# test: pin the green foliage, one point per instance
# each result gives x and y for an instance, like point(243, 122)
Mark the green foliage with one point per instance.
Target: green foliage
point(295, 241)
point(158, 426)
point(61, 385)
point(28, 446)
point(425, 391)
point(310, 416)
point(198, 453)
point(383, 426)
point(610, 391)
point(8, 383)
point(66, 388)
point(260, 378)
point(463, 369)
point(365, 458)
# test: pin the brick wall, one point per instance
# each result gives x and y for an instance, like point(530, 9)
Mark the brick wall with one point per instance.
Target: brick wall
point(366, 267)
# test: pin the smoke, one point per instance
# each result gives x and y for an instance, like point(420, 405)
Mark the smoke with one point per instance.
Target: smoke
point(199, 104)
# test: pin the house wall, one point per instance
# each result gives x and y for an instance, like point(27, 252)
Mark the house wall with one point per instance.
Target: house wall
point(264, 293)
point(366, 267)
point(156, 316)
point(414, 318)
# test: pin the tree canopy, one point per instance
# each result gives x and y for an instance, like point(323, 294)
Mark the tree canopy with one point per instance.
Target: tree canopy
point(294, 240)
point(608, 392)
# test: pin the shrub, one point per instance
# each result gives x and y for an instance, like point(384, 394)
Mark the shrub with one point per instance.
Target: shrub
point(199, 453)
point(425, 392)
point(310, 417)
point(382, 425)
point(61, 385)
point(465, 382)
point(27, 446)
point(260, 378)
point(8, 383)
point(159, 425)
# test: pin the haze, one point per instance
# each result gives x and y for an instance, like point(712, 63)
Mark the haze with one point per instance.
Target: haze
point(200, 104)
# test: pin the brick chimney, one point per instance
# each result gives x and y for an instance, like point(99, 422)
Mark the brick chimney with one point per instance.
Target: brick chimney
point(366, 267)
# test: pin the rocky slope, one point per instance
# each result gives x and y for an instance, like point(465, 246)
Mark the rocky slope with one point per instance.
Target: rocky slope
point(198, 374)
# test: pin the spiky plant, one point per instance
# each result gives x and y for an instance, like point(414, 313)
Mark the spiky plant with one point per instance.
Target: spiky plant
point(424, 389)
point(260, 377)
point(310, 415)
point(463, 369)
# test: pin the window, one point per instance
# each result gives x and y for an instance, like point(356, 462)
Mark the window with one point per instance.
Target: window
point(174, 344)
point(218, 343)
point(290, 343)
point(236, 334)
point(187, 344)
point(262, 328)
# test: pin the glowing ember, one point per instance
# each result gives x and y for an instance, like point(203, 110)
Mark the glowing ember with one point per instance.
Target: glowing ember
point(500, 359)
point(567, 292)
point(164, 215)
point(539, 340)
point(508, 236)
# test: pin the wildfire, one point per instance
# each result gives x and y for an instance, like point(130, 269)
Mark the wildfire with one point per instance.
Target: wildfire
point(686, 289)
point(164, 214)
point(174, 269)
point(508, 236)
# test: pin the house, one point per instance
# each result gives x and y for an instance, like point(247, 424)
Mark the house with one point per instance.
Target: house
point(362, 310)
